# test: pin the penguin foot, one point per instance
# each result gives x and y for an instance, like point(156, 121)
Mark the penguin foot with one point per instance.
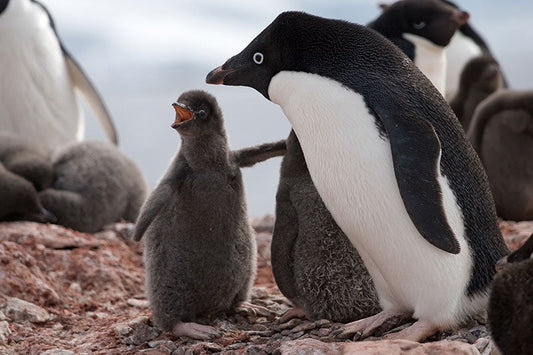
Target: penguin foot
point(195, 331)
point(253, 310)
point(367, 326)
point(296, 312)
point(419, 331)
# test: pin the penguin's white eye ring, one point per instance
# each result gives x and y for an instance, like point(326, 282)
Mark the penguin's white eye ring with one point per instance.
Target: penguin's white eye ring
point(258, 58)
point(418, 25)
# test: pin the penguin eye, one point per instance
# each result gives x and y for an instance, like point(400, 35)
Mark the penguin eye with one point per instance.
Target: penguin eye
point(258, 57)
point(201, 114)
point(418, 25)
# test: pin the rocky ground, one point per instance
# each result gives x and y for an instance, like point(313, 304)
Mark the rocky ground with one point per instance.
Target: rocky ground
point(64, 292)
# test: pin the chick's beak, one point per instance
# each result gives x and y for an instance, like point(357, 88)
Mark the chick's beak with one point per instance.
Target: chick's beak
point(183, 114)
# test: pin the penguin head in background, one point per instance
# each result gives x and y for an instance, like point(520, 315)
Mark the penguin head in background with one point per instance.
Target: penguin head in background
point(482, 74)
point(197, 113)
point(434, 20)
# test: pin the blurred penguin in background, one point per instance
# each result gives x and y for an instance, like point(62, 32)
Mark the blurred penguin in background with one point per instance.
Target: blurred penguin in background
point(465, 45)
point(38, 77)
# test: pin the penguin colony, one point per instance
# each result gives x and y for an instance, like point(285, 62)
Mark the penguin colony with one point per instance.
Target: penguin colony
point(382, 202)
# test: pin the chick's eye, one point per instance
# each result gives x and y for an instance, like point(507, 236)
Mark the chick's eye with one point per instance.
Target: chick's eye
point(201, 114)
point(258, 57)
point(418, 25)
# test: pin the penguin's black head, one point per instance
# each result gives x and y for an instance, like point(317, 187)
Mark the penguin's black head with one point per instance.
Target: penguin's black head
point(481, 73)
point(431, 19)
point(3, 5)
point(276, 48)
point(197, 113)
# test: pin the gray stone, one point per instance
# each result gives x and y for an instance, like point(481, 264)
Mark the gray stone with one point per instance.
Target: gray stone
point(57, 352)
point(308, 346)
point(19, 311)
point(122, 329)
point(5, 332)
point(304, 326)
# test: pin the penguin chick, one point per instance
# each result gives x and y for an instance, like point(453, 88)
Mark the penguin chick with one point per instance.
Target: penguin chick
point(18, 199)
point(520, 254)
point(313, 262)
point(510, 312)
point(95, 184)
point(421, 29)
point(200, 254)
point(481, 77)
point(27, 160)
point(501, 132)
point(38, 77)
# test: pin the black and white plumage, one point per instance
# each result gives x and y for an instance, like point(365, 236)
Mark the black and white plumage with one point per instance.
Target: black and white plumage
point(422, 29)
point(38, 77)
point(389, 159)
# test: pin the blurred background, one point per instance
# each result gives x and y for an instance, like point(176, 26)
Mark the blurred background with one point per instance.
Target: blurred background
point(141, 55)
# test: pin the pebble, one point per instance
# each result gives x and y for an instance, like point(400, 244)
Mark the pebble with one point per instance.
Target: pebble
point(304, 326)
point(57, 352)
point(19, 311)
point(138, 303)
point(290, 324)
point(5, 332)
point(213, 347)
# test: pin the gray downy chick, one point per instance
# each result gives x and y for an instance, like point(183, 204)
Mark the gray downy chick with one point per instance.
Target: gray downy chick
point(200, 253)
point(95, 185)
point(501, 132)
point(27, 160)
point(19, 199)
point(480, 78)
point(313, 262)
point(510, 312)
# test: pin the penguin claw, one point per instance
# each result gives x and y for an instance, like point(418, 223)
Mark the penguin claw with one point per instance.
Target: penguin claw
point(253, 310)
point(292, 313)
point(365, 327)
point(419, 331)
point(195, 331)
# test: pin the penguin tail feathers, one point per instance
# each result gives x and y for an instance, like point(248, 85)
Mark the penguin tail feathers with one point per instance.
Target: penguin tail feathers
point(247, 157)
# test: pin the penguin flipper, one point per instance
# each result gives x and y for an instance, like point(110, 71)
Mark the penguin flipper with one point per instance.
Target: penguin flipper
point(249, 156)
point(416, 152)
point(283, 240)
point(150, 209)
point(89, 92)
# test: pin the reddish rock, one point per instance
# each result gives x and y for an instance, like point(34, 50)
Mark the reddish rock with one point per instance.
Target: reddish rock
point(406, 347)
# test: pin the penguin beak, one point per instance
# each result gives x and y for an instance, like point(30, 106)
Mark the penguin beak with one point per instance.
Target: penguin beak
point(217, 75)
point(460, 17)
point(183, 114)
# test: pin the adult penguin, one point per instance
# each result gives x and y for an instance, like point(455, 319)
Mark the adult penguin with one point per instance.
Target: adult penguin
point(38, 77)
point(390, 161)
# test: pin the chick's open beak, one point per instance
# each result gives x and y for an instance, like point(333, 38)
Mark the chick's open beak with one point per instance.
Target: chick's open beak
point(183, 114)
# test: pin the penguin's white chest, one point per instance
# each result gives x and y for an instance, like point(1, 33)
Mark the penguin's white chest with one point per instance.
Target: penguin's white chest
point(352, 169)
point(430, 59)
point(36, 94)
point(459, 52)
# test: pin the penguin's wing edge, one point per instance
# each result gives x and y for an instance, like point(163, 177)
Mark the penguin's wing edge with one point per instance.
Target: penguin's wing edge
point(91, 95)
point(249, 156)
point(416, 152)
